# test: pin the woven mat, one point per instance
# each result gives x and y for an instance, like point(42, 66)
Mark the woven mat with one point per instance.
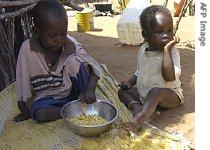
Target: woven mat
point(28, 135)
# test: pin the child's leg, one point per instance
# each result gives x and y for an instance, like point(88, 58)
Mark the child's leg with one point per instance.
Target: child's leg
point(163, 97)
point(48, 114)
point(128, 97)
point(47, 109)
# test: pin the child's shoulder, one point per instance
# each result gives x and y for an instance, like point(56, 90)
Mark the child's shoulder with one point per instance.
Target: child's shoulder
point(31, 44)
point(72, 39)
point(72, 45)
point(143, 48)
point(25, 47)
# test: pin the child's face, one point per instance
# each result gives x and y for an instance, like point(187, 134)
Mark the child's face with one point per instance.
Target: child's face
point(53, 33)
point(161, 32)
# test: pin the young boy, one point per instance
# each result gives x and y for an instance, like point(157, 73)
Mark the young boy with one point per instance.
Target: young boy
point(158, 68)
point(52, 68)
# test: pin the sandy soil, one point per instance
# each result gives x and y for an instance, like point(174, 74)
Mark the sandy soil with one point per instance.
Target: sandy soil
point(103, 44)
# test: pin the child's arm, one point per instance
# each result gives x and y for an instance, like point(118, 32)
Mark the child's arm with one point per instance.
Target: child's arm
point(128, 83)
point(168, 71)
point(23, 82)
point(89, 95)
point(94, 72)
point(24, 115)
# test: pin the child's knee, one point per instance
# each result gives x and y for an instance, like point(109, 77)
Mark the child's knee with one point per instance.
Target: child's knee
point(40, 116)
point(155, 92)
point(169, 104)
point(166, 98)
point(47, 114)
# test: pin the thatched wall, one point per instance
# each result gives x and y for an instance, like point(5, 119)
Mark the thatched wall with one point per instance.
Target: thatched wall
point(14, 29)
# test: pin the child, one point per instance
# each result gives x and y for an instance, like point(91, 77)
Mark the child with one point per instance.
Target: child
point(158, 68)
point(52, 67)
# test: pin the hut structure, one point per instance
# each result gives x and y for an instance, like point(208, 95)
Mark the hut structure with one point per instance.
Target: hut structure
point(15, 27)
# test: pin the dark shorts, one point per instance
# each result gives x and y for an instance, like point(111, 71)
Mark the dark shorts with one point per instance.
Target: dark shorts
point(47, 102)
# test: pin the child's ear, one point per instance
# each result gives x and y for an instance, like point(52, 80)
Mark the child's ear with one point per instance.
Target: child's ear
point(144, 34)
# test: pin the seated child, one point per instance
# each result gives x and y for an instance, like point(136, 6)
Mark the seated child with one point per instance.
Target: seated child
point(158, 69)
point(52, 68)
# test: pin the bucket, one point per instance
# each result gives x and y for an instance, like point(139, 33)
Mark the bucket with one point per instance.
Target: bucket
point(123, 4)
point(85, 20)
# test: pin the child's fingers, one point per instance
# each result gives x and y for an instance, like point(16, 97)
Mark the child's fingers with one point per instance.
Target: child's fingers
point(171, 44)
point(168, 46)
point(89, 98)
point(122, 85)
point(20, 117)
point(176, 39)
point(125, 87)
point(135, 120)
point(128, 126)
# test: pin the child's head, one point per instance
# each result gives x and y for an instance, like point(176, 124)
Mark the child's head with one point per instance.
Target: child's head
point(51, 21)
point(157, 26)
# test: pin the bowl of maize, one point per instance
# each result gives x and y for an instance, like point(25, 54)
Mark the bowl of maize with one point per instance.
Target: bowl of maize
point(93, 120)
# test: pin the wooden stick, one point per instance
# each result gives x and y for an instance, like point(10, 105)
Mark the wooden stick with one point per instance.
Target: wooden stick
point(17, 3)
point(27, 25)
point(184, 8)
point(4, 38)
point(166, 3)
point(17, 13)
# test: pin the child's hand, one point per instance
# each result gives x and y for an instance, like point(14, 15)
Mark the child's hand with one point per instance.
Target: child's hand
point(171, 44)
point(125, 85)
point(24, 115)
point(130, 128)
point(21, 117)
point(89, 97)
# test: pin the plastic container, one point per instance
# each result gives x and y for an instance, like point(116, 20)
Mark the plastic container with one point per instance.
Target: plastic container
point(128, 27)
point(85, 21)
point(123, 4)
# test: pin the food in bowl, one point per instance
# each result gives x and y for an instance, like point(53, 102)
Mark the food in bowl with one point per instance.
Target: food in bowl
point(83, 119)
point(100, 108)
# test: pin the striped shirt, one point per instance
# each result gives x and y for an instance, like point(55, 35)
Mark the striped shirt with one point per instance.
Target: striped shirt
point(35, 77)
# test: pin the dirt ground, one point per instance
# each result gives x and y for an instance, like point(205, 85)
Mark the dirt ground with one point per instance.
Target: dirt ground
point(104, 46)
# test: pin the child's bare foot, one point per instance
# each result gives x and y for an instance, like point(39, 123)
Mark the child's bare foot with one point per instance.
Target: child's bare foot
point(146, 112)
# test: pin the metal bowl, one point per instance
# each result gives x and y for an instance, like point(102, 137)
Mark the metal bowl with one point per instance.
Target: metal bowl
point(100, 108)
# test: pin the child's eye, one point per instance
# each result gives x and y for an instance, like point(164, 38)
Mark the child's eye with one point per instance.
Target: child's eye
point(158, 31)
point(63, 34)
point(170, 30)
point(52, 35)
